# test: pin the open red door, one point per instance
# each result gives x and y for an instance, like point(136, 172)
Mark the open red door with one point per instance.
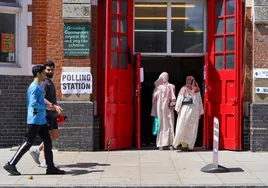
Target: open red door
point(206, 102)
point(137, 98)
point(118, 74)
point(224, 68)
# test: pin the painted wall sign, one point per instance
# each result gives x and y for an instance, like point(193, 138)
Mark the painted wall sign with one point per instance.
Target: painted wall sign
point(76, 83)
point(76, 40)
point(260, 73)
point(261, 90)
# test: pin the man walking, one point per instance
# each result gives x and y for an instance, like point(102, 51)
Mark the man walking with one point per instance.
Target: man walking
point(37, 124)
point(49, 91)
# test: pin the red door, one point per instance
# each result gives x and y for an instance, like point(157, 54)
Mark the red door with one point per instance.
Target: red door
point(137, 98)
point(118, 74)
point(206, 102)
point(224, 65)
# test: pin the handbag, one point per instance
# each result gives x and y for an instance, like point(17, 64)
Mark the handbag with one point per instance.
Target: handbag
point(61, 119)
point(187, 100)
point(155, 126)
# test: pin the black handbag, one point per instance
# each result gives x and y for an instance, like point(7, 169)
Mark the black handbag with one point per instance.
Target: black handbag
point(187, 101)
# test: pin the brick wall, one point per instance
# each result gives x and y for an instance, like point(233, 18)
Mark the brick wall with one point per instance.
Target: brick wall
point(247, 77)
point(37, 32)
point(93, 50)
point(54, 36)
point(248, 54)
point(13, 109)
point(96, 133)
point(246, 134)
point(259, 127)
point(260, 43)
point(258, 116)
point(77, 133)
point(46, 39)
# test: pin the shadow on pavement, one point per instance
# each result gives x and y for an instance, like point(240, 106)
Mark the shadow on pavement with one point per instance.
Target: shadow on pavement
point(81, 172)
point(83, 165)
point(76, 171)
point(236, 169)
point(70, 172)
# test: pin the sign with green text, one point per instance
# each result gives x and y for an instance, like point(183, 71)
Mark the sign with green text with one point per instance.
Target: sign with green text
point(76, 39)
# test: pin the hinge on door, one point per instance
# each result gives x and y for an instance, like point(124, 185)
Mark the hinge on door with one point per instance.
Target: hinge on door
point(108, 144)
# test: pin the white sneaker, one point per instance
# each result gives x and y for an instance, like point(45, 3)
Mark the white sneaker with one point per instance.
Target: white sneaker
point(35, 153)
point(43, 164)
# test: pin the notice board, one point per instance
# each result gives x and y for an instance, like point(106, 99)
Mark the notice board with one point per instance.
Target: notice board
point(76, 39)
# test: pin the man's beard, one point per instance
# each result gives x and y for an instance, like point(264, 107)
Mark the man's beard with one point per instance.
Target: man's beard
point(49, 75)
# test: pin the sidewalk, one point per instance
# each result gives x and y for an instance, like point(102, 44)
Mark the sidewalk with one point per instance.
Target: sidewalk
point(139, 168)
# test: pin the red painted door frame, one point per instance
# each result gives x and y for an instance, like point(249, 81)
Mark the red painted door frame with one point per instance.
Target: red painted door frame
point(137, 99)
point(212, 73)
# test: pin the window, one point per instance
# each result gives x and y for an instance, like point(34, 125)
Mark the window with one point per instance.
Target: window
point(9, 1)
point(224, 35)
point(7, 37)
point(187, 27)
point(8, 30)
point(151, 27)
point(170, 27)
point(15, 55)
point(119, 49)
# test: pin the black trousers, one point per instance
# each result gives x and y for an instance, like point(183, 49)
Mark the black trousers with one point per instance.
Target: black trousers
point(30, 136)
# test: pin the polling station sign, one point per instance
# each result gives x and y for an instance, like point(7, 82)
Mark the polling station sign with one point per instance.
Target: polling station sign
point(76, 83)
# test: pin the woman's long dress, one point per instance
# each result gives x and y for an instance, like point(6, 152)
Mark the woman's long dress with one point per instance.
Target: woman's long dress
point(188, 118)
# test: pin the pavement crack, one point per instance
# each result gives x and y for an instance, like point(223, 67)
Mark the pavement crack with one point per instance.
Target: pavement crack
point(174, 168)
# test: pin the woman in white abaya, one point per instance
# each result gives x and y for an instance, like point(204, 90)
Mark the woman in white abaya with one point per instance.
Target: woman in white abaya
point(188, 114)
point(163, 103)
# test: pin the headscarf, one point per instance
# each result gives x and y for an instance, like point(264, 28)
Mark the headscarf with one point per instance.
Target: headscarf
point(192, 85)
point(168, 90)
point(162, 82)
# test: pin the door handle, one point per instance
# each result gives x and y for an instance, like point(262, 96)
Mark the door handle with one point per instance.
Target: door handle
point(234, 101)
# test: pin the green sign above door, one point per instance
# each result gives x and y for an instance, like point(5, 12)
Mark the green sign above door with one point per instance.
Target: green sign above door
point(76, 39)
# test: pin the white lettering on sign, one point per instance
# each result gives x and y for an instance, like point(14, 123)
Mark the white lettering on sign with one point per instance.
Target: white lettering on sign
point(76, 83)
point(260, 73)
point(261, 90)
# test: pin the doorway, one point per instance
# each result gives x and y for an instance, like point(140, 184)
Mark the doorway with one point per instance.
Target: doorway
point(178, 69)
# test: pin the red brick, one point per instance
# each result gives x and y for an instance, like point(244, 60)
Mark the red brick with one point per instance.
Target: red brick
point(248, 54)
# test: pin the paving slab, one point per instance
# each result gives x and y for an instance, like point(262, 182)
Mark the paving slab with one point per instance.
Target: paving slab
point(140, 168)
